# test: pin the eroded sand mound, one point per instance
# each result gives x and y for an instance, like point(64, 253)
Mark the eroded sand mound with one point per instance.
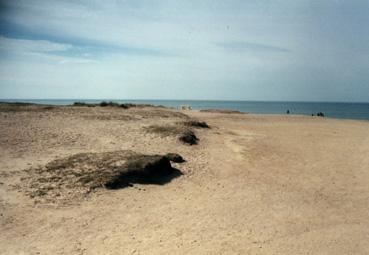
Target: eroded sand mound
point(79, 174)
point(182, 130)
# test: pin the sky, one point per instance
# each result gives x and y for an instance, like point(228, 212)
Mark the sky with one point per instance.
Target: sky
point(290, 50)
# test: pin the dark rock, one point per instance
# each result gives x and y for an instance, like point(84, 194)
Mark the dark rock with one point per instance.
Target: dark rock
point(189, 137)
point(174, 157)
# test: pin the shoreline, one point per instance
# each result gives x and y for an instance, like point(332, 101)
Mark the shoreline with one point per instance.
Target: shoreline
point(215, 110)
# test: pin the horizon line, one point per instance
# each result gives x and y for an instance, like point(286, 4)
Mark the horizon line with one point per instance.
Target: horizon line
point(209, 100)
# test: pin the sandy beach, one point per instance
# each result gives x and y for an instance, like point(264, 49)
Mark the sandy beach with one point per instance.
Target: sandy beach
point(254, 184)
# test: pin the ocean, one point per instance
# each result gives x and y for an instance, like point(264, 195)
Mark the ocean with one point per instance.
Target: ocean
point(358, 111)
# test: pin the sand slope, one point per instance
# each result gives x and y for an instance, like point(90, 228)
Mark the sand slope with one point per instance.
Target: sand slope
point(255, 184)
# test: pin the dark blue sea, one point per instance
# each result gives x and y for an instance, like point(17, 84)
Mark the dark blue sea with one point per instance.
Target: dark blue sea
point(333, 110)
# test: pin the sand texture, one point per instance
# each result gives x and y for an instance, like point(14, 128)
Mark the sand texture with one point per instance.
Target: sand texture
point(253, 184)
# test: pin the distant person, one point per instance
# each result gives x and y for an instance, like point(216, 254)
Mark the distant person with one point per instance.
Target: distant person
point(288, 111)
point(320, 114)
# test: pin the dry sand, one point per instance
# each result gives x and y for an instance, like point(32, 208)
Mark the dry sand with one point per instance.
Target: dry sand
point(255, 184)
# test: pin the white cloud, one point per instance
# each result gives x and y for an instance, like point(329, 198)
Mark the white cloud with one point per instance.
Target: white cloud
point(26, 46)
point(42, 51)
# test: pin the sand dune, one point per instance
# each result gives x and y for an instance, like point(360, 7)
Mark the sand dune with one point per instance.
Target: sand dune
point(254, 184)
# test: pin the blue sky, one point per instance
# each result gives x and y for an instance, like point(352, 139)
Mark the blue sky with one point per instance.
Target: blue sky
point(230, 50)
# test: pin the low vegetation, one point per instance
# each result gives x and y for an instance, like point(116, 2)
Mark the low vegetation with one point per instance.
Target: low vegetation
point(83, 104)
point(196, 124)
point(167, 130)
point(81, 173)
point(115, 104)
point(182, 130)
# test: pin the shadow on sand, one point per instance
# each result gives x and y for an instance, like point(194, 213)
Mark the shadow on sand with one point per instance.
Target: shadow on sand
point(129, 179)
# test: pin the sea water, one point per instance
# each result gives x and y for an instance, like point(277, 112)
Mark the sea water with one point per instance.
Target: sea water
point(330, 109)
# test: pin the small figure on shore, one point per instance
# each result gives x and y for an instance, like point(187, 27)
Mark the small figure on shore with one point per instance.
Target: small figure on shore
point(320, 114)
point(185, 107)
point(288, 112)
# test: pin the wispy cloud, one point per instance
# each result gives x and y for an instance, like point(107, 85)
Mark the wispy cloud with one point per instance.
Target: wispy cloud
point(250, 46)
point(22, 45)
point(85, 50)
point(156, 48)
